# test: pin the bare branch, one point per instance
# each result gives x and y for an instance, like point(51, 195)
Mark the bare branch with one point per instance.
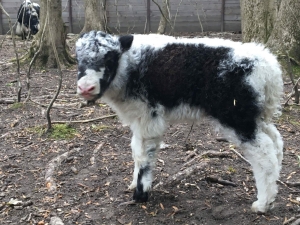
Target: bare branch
point(16, 53)
point(291, 75)
point(33, 60)
point(58, 66)
point(163, 14)
point(199, 16)
point(176, 14)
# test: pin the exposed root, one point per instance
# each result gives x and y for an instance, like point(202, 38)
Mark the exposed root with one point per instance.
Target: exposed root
point(51, 167)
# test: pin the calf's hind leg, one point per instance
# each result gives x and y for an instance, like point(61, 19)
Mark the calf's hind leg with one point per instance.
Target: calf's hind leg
point(262, 153)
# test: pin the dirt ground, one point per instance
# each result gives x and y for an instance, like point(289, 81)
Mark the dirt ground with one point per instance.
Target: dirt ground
point(84, 179)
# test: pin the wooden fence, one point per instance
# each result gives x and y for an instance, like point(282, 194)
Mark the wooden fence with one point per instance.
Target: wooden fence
point(142, 16)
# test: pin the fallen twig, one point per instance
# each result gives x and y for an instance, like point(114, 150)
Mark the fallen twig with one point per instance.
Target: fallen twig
point(95, 152)
point(284, 184)
point(86, 121)
point(209, 154)
point(4, 135)
point(132, 202)
point(297, 222)
point(7, 101)
point(293, 184)
point(220, 181)
point(221, 139)
point(289, 220)
point(242, 157)
point(187, 172)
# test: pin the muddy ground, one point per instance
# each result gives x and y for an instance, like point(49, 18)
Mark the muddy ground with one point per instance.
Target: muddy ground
point(83, 179)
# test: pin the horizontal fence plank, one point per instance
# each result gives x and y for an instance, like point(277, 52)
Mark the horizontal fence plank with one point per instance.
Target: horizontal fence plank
point(131, 15)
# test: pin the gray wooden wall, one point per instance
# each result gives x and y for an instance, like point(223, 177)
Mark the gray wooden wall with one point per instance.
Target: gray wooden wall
point(142, 16)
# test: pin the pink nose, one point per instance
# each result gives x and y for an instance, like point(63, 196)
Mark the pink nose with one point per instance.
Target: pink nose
point(86, 90)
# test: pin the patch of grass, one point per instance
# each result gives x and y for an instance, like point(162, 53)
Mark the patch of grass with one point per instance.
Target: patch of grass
point(99, 128)
point(40, 130)
point(58, 131)
point(296, 70)
point(230, 169)
point(16, 105)
point(9, 84)
point(62, 131)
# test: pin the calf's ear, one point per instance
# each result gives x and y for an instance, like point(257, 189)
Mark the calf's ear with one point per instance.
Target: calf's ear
point(126, 42)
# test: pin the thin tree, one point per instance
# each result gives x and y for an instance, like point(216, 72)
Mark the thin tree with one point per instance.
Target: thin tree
point(165, 16)
point(95, 15)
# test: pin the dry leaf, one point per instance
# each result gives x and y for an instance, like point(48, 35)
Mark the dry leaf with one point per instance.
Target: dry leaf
point(48, 185)
point(41, 222)
point(121, 221)
point(162, 206)
point(153, 213)
point(175, 208)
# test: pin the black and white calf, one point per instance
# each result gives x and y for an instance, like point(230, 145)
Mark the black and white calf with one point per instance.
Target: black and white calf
point(28, 19)
point(153, 80)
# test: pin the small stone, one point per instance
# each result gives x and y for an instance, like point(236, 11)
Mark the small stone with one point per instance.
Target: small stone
point(74, 169)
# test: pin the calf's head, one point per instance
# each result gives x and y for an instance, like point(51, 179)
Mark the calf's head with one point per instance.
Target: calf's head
point(98, 57)
point(34, 20)
point(34, 25)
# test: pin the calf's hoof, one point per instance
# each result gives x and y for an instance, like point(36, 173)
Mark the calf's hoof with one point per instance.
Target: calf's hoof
point(140, 196)
point(260, 208)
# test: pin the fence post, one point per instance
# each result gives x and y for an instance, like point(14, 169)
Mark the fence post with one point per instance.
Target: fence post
point(1, 21)
point(223, 16)
point(70, 16)
point(148, 17)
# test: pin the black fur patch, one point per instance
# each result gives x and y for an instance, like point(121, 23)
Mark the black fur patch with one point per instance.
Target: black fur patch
point(111, 62)
point(139, 195)
point(200, 77)
point(154, 114)
point(126, 42)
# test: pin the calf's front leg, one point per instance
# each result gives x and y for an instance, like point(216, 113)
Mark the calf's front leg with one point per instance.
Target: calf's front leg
point(143, 152)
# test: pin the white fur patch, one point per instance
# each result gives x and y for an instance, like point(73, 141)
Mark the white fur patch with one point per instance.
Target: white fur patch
point(91, 78)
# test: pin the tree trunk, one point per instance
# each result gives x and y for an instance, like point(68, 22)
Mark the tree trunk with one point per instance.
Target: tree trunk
point(54, 29)
point(257, 20)
point(274, 23)
point(286, 32)
point(277, 25)
point(164, 17)
point(95, 17)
